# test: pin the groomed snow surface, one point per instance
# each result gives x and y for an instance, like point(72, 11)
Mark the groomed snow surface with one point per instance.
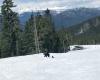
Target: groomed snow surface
point(74, 65)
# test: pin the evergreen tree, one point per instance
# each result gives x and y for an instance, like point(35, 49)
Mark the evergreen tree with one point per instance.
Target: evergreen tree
point(65, 40)
point(10, 30)
point(29, 42)
point(46, 31)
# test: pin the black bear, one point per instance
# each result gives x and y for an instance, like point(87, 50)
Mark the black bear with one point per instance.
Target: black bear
point(46, 53)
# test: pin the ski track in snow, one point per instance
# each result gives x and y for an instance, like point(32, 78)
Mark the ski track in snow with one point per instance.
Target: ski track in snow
point(74, 65)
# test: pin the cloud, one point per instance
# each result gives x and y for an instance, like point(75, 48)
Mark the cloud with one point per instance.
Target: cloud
point(39, 6)
point(31, 5)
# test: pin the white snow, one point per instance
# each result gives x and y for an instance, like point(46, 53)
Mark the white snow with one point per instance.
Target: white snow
point(74, 65)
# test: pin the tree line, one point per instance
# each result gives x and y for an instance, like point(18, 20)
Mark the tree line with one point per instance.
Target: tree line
point(39, 34)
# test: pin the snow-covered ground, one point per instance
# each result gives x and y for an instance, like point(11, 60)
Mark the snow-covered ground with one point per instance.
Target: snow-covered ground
point(74, 65)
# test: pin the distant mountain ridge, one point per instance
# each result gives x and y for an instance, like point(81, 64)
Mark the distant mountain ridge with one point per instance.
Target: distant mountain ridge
point(67, 18)
point(75, 16)
point(87, 32)
point(88, 27)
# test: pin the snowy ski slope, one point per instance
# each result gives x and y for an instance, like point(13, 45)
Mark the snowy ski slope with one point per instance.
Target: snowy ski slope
point(74, 65)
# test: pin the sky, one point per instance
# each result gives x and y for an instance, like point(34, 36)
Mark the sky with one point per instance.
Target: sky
point(33, 5)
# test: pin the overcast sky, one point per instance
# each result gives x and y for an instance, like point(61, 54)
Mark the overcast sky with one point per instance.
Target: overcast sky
point(29, 5)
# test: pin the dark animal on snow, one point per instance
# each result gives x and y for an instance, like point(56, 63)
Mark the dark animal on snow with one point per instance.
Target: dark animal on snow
point(46, 54)
point(53, 57)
